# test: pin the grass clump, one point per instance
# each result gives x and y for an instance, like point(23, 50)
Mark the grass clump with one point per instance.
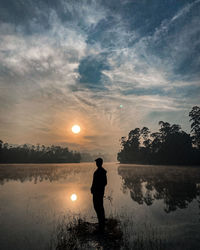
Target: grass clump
point(80, 234)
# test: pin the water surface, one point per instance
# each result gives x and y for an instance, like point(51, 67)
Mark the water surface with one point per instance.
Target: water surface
point(160, 199)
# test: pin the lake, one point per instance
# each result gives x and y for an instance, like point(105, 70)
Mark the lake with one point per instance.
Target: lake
point(151, 202)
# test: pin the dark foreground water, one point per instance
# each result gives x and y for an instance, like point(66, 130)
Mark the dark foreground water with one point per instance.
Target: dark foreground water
point(154, 202)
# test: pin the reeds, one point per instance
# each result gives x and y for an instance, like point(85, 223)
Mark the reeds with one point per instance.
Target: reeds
point(77, 233)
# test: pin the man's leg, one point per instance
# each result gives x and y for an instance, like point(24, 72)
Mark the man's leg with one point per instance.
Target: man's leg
point(101, 214)
point(98, 206)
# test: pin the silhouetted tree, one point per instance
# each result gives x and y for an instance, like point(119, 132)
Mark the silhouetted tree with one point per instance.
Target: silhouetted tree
point(130, 146)
point(195, 126)
point(170, 145)
point(36, 154)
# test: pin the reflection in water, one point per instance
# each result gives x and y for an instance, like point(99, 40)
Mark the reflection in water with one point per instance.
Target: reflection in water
point(39, 172)
point(177, 186)
point(37, 209)
point(73, 197)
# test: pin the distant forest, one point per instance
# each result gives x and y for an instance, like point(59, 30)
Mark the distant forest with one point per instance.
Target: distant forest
point(43, 154)
point(36, 154)
point(170, 145)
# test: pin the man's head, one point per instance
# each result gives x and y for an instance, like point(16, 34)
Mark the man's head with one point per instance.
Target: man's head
point(99, 162)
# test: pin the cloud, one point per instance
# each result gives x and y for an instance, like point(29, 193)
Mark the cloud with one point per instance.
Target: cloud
point(71, 62)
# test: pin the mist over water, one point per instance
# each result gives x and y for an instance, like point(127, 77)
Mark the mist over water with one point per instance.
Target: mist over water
point(34, 197)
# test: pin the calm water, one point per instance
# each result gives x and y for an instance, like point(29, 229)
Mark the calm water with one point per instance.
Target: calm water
point(160, 199)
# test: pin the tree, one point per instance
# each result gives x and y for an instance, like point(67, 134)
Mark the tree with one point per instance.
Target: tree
point(145, 132)
point(134, 139)
point(156, 142)
point(130, 147)
point(170, 145)
point(195, 126)
point(36, 154)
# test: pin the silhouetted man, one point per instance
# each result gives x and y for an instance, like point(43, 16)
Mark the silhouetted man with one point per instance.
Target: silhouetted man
point(97, 189)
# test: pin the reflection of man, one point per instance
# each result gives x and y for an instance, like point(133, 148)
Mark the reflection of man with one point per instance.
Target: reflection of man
point(97, 189)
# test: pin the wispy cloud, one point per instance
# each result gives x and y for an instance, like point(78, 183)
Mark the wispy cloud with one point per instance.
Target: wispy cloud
point(77, 62)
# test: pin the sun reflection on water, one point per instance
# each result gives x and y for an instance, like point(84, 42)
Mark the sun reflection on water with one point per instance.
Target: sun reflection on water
point(73, 197)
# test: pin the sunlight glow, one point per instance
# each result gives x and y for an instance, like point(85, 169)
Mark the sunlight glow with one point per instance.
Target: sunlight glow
point(73, 197)
point(76, 129)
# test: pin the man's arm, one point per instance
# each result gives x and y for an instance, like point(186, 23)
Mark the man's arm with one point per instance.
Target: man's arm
point(92, 187)
point(105, 180)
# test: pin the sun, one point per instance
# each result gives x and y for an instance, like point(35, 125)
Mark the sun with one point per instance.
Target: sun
point(73, 197)
point(76, 129)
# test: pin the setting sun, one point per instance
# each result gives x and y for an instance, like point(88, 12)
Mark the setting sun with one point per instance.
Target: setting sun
point(73, 197)
point(76, 129)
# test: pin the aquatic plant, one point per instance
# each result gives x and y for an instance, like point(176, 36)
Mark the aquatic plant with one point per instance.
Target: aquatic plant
point(80, 234)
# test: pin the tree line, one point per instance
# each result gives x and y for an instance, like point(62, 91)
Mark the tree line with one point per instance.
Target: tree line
point(36, 154)
point(170, 145)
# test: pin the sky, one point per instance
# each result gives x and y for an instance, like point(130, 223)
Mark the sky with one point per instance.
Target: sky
point(109, 66)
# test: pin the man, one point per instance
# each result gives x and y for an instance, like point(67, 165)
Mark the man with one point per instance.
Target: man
point(97, 189)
